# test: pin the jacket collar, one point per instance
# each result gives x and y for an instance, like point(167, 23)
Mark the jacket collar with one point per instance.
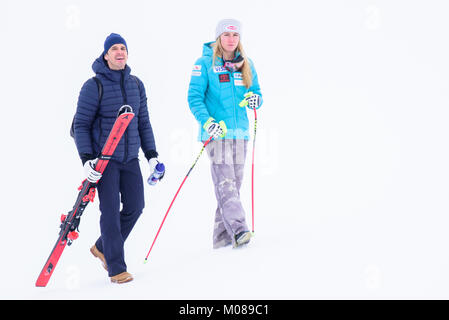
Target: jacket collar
point(208, 51)
point(100, 66)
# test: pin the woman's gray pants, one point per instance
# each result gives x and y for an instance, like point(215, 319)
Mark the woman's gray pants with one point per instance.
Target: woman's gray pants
point(227, 163)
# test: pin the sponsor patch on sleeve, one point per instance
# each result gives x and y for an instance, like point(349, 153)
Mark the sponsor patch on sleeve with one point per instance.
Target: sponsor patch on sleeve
point(196, 73)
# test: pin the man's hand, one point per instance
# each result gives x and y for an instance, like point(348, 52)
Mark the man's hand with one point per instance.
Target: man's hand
point(89, 169)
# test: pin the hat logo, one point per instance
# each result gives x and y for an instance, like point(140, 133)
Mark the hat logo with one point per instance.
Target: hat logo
point(231, 28)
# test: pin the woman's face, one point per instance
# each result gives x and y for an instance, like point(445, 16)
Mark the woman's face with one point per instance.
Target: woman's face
point(229, 41)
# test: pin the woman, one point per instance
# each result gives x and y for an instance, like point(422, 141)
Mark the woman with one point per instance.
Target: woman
point(220, 79)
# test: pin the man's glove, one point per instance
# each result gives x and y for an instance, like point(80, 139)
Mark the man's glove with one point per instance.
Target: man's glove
point(215, 129)
point(89, 170)
point(251, 100)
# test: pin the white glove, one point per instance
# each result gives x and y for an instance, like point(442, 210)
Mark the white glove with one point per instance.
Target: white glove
point(253, 101)
point(91, 175)
point(152, 162)
point(215, 129)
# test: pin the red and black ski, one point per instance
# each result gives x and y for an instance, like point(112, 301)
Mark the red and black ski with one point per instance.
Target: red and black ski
point(70, 222)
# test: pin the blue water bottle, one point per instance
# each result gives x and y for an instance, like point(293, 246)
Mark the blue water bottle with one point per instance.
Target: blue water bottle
point(158, 172)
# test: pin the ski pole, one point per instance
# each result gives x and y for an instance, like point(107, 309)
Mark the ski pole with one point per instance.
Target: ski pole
point(185, 178)
point(252, 169)
point(244, 103)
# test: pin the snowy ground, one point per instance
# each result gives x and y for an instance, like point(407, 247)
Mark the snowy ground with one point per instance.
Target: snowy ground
point(351, 163)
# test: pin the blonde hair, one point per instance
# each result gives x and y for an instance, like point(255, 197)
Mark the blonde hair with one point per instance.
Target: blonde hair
point(247, 75)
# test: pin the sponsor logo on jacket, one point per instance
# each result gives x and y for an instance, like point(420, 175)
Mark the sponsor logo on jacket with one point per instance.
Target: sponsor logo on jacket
point(218, 69)
point(196, 70)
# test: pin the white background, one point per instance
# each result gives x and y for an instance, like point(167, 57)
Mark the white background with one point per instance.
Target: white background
point(351, 159)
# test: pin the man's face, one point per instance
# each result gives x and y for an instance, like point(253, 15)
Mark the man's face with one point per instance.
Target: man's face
point(117, 56)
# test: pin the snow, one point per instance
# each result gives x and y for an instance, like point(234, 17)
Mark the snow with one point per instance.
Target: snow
point(351, 158)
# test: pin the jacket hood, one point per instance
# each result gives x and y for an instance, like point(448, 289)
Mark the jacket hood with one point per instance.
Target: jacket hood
point(207, 49)
point(100, 66)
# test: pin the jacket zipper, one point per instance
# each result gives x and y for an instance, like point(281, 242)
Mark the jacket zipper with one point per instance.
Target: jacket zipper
point(125, 101)
point(231, 76)
point(233, 98)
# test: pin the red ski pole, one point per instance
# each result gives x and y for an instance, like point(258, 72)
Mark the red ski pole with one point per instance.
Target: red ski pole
point(168, 210)
point(252, 169)
point(244, 103)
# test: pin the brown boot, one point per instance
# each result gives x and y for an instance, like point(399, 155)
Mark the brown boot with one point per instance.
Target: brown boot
point(122, 277)
point(99, 255)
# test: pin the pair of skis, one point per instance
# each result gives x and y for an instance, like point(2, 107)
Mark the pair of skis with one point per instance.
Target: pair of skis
point(70, 222)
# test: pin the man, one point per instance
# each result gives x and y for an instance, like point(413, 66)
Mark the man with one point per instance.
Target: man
point(98, 105)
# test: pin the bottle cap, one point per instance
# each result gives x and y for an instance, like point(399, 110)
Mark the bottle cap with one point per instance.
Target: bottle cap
point(160, 167)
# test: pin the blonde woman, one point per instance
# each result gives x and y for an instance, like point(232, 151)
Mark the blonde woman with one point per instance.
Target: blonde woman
point(220, 79)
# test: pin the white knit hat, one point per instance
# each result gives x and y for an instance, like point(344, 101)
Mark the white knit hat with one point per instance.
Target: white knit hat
point(228, 25)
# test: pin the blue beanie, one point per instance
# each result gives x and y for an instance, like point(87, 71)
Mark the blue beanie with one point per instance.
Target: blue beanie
point(113, 38)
